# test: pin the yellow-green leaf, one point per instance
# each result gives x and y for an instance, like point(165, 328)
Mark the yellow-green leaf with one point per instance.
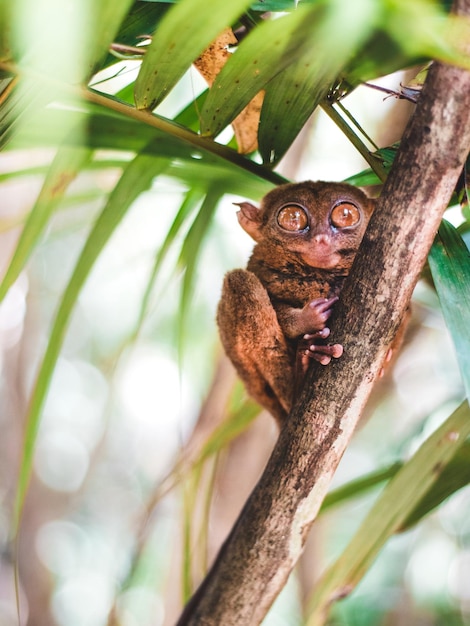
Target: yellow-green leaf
point(390, 511)
point(136, 178)
point(64, 168)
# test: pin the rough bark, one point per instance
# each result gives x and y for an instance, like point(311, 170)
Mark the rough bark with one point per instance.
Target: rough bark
point(269, 535)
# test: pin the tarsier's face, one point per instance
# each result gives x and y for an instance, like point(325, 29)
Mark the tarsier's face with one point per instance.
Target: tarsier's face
point(322, 223)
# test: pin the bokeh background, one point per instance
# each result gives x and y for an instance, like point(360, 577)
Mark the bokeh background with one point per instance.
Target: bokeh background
point(131, 493)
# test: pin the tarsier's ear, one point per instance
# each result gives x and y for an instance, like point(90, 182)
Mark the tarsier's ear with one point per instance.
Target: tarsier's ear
point(249, 218)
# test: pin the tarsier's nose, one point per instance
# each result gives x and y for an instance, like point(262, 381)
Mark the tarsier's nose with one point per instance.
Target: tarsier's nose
point(322, 239)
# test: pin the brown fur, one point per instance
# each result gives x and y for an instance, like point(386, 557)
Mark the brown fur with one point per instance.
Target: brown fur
point(272, 316)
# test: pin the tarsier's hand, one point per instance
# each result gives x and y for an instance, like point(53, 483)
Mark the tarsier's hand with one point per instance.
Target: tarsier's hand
point(315, 314)
point(312, 321)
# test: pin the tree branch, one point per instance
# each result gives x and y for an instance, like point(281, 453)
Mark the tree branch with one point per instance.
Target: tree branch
point(268, 538)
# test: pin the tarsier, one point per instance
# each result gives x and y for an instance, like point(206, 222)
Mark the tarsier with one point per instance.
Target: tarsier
point(272, 316)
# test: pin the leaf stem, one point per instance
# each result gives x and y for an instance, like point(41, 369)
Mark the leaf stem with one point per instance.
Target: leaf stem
point(171, 128)
point(351, 117)
point(155, 121)
point(341, 123)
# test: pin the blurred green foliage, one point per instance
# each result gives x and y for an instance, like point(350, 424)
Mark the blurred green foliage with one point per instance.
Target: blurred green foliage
point(128, 123)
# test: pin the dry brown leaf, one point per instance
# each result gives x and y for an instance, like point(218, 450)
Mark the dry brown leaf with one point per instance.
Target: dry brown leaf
point(209, 64)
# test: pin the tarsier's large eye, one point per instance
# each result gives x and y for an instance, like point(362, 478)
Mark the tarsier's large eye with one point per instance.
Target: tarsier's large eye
point(292, 217)
point(344, 215)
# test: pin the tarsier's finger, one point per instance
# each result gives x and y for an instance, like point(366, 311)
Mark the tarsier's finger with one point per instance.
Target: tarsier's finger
point(325, 304)
point(306, 356)
point(321, 334)
point(335, 351)
point(323, 359)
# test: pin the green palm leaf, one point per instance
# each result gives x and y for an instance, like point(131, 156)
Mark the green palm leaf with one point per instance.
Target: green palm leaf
point(136, 177)
point(308, 79)
point(66, 165)
point(185, 31)
point(449, 260)
point(391, 511)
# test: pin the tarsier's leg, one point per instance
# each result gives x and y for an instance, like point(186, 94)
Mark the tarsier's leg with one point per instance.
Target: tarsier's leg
point(254, 341)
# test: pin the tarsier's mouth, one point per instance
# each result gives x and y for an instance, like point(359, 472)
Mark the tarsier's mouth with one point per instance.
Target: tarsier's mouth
point(323, 259)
